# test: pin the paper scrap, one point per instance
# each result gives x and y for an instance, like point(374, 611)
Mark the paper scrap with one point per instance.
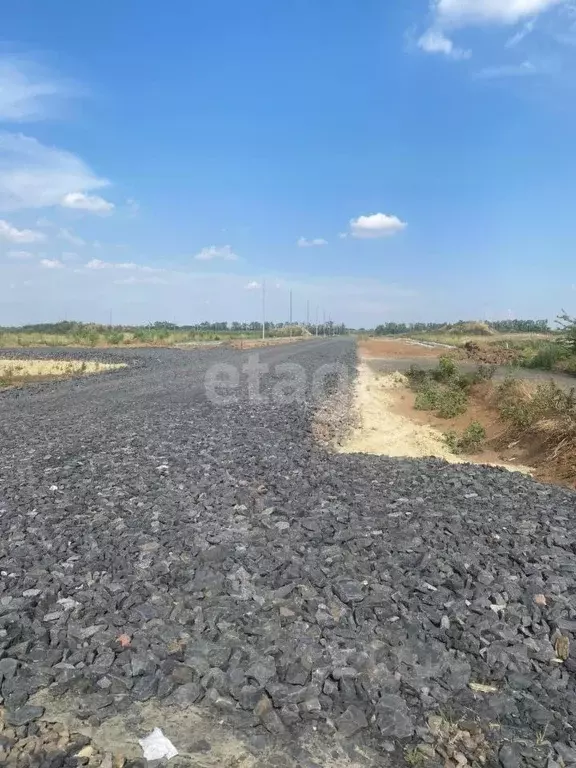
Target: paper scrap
point(156, 746)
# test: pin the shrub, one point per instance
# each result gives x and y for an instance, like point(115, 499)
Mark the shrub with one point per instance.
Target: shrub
point(470, 441)
point(446, 369)
point(546, 357)
point(452, 402)
point(115, 337)
point(416, 376)
point(427, 398)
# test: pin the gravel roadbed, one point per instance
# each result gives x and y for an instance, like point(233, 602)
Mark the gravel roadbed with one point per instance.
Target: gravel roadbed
point(155, 547)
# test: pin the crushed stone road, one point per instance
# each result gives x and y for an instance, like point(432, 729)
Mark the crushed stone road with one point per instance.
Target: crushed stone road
point(157, 547)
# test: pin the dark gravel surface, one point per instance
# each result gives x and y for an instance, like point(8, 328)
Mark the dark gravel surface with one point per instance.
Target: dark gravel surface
point(154, 546)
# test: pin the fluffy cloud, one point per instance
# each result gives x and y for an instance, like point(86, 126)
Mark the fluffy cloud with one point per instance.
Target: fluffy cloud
point(467, 12)
point(27, 92)
point(252, 286)
point(51, 264)
point(33, 175)
point(454, 14)
point(435, 41)
point(19, 255)
point(376, 225)
point(212, 252)
point(302, 242)
point(14, 235)
point(83, 202)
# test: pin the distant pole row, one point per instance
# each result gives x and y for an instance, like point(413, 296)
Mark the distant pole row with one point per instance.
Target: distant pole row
point(317, 323)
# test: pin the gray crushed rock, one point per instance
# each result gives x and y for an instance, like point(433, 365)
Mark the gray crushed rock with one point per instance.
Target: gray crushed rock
point(284, 588)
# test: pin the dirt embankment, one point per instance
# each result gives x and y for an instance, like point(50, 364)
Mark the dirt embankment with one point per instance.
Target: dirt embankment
point(389, 423)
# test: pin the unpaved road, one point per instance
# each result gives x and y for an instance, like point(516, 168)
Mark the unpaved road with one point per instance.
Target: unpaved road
point(325, 607)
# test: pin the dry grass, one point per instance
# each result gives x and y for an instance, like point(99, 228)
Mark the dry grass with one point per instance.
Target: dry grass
point(13, 372)
point(543, 420)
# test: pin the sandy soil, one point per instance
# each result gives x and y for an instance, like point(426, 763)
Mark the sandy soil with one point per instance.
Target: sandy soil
point(24, 368)
point(386, 429)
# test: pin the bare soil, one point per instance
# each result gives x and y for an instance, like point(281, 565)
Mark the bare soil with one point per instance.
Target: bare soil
point(389, 425)
point(396, 348)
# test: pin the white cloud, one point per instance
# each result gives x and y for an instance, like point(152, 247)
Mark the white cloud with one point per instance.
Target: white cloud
point(517, 37)
point(19, 255)
point(460, 13)
point(252, 286)
point(33, 175)
point(28, 92)
point(212, 252)
point(51, 264)
point(449, 15)
point(82, 202)
point(376, 225)
point(508, 70)
point(99, 264)
point(342, 235)
point(14, 235)
point(70, 237)
point(435, 41)
point(302, 242)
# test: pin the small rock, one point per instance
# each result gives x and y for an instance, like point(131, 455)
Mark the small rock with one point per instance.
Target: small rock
point(351, 721)
point(349, 591)
point(509, 756)
point(185, 695)
point(268, 717)
point(23, 715)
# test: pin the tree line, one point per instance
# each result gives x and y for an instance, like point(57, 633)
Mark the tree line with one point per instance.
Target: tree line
point(499, 326)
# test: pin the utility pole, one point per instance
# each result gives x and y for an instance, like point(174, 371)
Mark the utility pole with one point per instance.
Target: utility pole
point(323, 322)
point(317, 319)
point(290, 311)
point(263, 309)
point(308, 313)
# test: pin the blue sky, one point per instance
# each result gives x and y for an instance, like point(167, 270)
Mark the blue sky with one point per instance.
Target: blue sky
point(385, 161)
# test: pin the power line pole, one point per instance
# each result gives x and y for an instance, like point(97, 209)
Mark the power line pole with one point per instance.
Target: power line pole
point(290, 311)
point(317, 320)
point(263, 309)
point(308, 313)
point(323, 322)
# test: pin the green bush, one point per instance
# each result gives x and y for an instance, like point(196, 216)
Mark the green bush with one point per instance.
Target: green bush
point(427, 398)
point(470, 441)
point(546, 357)
point(452, 402)
point(115, 337)
point(446, 370)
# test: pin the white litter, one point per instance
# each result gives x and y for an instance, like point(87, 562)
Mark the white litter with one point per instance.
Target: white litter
point(156, 746)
